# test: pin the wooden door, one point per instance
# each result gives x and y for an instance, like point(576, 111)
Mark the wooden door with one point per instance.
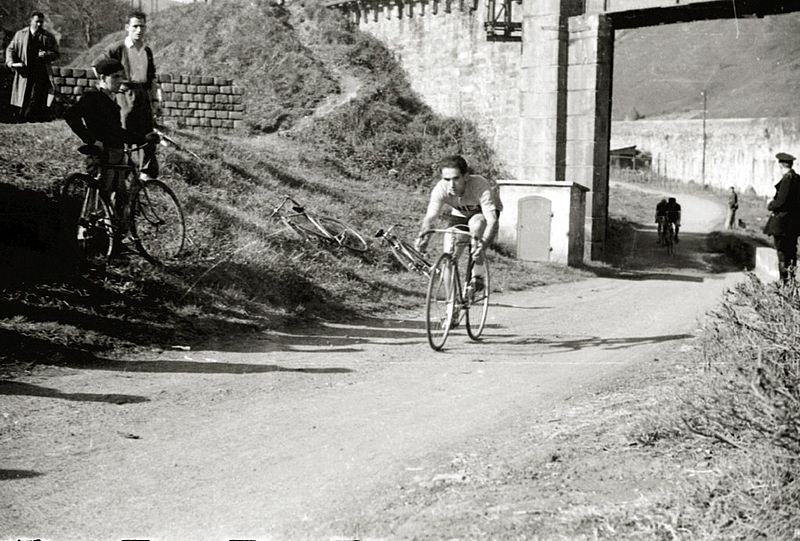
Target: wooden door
point(533, 228)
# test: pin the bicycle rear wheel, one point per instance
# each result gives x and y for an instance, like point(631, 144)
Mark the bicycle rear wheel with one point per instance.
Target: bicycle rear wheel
point(478, 305)
point(410, 257)
point(340, 232)
point(157, 222)
point(669, 239)
point(87, 219)
point(440, 302)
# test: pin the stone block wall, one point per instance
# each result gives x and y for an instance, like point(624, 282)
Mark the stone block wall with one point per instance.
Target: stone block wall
point(442, 46)
point(188, 101)
point(739, 152)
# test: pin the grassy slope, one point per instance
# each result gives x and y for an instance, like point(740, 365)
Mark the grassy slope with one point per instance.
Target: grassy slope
point(254, 44)
point(661, 70)
point(240, 272)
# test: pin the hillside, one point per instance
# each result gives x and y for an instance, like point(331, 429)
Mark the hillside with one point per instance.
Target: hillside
point(748, 67)
point(368, 161)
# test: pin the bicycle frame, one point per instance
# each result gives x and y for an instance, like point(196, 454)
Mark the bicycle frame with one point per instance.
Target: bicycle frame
point(299, 211)
point(445, 290)
point(407, 255)
point(148, 211)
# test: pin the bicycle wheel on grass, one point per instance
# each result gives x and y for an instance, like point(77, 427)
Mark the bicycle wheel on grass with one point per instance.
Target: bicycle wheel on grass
point(440, 302)
point(478, 305)
point(87, 219)
point(411, 258)
point(340, 232)
point(157, 222)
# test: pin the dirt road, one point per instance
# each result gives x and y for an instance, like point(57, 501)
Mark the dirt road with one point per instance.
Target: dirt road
point(306, 434)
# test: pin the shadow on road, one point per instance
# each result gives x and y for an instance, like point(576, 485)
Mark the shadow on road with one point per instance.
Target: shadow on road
point(16, 388)
point(576, 344)
point(10, 475)
point(637, 255)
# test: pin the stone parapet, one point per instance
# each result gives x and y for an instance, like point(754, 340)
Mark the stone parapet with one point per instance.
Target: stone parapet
point(200, 102)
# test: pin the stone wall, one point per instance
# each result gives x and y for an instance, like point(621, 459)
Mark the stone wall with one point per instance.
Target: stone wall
point(188, 101)
point(739, 152)
point(443, 48)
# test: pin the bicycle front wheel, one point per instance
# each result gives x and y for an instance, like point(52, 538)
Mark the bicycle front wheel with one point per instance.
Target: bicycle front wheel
point(157, 222)
point(411, 258)
point(87, 219)
point(440, 309)
point(341, 233)
point(478, 305)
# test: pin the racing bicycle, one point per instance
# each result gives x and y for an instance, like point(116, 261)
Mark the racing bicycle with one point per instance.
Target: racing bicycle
point(152, 217)
point(315, 227)
point(450, 299)
point(408, 256)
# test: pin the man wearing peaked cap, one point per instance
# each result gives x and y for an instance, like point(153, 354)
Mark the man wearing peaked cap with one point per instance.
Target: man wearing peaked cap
point(784, 223)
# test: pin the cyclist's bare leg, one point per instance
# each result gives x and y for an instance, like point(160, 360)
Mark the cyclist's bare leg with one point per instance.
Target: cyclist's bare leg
point(477, 226)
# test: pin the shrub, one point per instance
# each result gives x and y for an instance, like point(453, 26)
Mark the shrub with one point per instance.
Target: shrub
point(750, 400)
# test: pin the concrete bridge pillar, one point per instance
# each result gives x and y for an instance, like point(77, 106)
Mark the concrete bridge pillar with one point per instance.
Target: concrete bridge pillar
point(543, 86)
point(564, 125)
point(588, 117)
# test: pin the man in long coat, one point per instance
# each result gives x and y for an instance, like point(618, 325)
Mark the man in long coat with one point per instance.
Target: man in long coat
point(29, 54)
point(784, 224)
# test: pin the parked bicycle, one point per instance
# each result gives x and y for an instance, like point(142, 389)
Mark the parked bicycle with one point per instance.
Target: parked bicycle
point(315, 227)
point(449, 299)
point(152, 217)
point(408, 256)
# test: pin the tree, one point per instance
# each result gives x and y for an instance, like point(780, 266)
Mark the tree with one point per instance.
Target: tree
point(92, 19)
point(15, 14)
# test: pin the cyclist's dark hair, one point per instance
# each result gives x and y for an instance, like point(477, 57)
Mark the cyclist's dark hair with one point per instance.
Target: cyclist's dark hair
point(136, 15)
point(672, 200)
point(36, 14)
point(456, 162)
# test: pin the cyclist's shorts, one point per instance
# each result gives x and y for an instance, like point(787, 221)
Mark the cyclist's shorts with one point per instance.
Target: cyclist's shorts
point(456, 220)
point(464, 220)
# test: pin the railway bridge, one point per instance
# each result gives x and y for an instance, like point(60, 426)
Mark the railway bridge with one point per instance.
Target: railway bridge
point(536, 78)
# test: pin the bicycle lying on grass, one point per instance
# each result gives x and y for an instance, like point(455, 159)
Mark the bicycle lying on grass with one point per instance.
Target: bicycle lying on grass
point(408, 256)
point(449, 299)
point(314, 227)
point(153, 218)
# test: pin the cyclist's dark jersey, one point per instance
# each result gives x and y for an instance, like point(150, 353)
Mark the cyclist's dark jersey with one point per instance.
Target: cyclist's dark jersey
point(673, 212)
point(661, 208)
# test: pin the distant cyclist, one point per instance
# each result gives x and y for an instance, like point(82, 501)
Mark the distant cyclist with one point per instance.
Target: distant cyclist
point(661, 213)
point(474, 203)
point(673, 215)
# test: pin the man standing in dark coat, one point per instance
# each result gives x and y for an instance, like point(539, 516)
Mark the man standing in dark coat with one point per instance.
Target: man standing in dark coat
point(784, 224)
point(29, 54)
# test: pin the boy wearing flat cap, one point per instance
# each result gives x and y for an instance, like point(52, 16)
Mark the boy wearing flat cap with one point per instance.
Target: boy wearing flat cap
point(784, 224)
point(96, 120)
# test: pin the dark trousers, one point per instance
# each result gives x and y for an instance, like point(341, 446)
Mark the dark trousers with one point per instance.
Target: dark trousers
point(786, 246)
point(34, 106)
point(137, 117)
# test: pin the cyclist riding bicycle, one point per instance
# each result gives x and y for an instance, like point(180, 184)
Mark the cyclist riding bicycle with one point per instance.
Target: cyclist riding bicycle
point(474, 203)
point(661, 212)
point(672, 212)
point(96, 120)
